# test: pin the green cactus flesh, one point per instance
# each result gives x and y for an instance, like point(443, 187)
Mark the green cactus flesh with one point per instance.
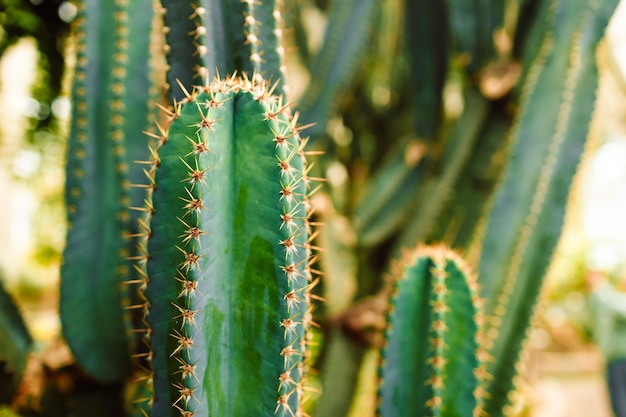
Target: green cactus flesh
point(430, 361)
point(210, 37)
point(525, 222)
point(110, 110)
point(228, 256)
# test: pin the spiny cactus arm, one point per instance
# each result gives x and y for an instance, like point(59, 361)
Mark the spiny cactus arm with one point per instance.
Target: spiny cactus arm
point(218, 36)
point(473, 24)
point(426, 36)
point(195, 43)
point(525, 221)
point(16, 344)
point(430, 362)
point(95, 258)
point(345, 42)
point(460, 144)
point(229, 252)
point(392, 193)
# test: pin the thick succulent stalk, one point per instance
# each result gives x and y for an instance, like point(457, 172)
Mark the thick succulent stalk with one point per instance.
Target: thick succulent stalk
point(110, 109)
point(229, 254)
point(525, 222)
point(431, 359)
point(209, 37)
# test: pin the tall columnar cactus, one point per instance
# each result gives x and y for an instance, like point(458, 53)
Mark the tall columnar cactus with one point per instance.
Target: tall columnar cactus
point(111, 108)
point(228, 268)
point(431, 361)
point(525, 221)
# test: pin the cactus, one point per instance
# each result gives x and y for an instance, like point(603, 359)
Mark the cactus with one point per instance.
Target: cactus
point(228, 255)
point(111, 93)
point(192, 291)
point(431, 362)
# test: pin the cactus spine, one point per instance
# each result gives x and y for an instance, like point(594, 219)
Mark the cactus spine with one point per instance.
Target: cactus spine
point(229, 253)
point(431, 359)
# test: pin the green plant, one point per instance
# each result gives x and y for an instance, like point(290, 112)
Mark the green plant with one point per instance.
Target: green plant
point(431, 359)
point(190, 268)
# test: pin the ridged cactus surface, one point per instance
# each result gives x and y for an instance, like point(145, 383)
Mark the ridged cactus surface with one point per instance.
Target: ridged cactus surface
point(430, 361)
point(228, 252)
point(111, 99)
point(525, 222)
point(16, 344)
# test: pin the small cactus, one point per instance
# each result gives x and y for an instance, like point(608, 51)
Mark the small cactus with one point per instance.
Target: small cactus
point(431, 362)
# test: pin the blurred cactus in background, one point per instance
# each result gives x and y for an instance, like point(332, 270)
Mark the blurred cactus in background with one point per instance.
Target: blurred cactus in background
point(213, 196)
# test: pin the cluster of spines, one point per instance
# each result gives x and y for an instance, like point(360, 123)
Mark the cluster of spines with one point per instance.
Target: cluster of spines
point(439, 305)
point(297, 238)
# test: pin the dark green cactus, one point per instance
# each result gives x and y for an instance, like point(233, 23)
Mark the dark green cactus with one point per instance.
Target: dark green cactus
point(111, 98)
point(228, 255)
point(431, 362)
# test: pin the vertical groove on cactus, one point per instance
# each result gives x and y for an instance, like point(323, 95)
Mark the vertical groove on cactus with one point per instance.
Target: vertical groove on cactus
point(181, 46)
point(431, 361)
point(229, 255)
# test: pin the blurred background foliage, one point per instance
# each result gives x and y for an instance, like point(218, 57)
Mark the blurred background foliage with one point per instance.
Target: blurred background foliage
point(36, 48)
